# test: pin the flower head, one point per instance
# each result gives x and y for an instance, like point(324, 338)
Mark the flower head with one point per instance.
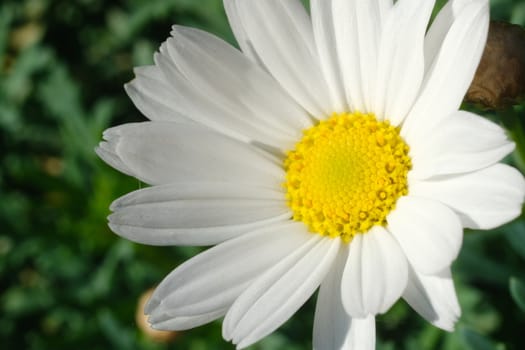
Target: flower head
point(329, 152)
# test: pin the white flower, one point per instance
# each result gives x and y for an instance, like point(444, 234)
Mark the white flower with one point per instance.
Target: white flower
point(330, 153)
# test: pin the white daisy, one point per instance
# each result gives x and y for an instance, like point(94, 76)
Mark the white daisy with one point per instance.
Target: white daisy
point(329, 152)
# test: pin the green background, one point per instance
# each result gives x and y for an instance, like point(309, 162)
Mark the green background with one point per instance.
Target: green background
point(67, 282)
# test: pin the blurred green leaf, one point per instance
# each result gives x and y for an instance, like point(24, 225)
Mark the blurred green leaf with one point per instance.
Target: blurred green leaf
point(474, 262)
point(517, 290)
point(515, 235)
point(104, 277)
point(476, 341)
point(477, 312)
point(6, 17)
point(518, 15)
point(120, 337)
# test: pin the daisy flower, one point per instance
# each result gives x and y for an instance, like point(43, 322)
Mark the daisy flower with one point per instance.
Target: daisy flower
point(329, 152)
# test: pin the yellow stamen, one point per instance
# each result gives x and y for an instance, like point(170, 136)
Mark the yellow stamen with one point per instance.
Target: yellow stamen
point(346, 174)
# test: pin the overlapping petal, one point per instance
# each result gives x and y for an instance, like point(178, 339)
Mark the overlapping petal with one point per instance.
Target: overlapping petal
point(400, 60)
point(362, 334)
point(232, 12)
point(440, 27)
point(460, 143)
point(155, 97)
point(162, 153)
point(357, 26)
point(332, 322)
point(277, 294)
point(281, 35)
point(434, 298)
point(204, 287)
point(458, 57)
point(200, 78)
point(196, 213)
point(375, 273)
point(429, 232)
point(334, 328)
point(483, 199)
point(225, 75)
point(324, 34)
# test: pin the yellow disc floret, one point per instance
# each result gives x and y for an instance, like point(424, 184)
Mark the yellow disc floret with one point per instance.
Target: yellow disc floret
point(346, 174)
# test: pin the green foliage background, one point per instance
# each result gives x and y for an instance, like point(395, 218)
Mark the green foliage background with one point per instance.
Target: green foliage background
point(67, 282)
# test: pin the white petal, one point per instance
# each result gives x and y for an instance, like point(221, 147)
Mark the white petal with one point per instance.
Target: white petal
point(191, 103)
point(332, 323)
point(275, 296)
point(462, 142)
point(384, 8)
point(452, 71)
point(211, 281)
point(429, 233)
point(434, 298)
point(282, 36)
point(250, 107)
point(334, 328)
point(362, 334)
point(225, 75)
point(400, 67)
point(161, 153)
point(324, 33)
point(106, 152)
point(352, 334)
point(483, 199)
point(232, 12)
point(357, 27)
point(182, 323)
point(375, 274)
point(154, 97)
point(439, 29)
point(195, 213)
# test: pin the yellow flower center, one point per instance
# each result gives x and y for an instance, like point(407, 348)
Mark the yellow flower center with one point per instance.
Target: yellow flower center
point(346, 174)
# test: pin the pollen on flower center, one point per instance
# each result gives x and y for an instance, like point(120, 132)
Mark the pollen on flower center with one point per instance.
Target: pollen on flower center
point(346, 174)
